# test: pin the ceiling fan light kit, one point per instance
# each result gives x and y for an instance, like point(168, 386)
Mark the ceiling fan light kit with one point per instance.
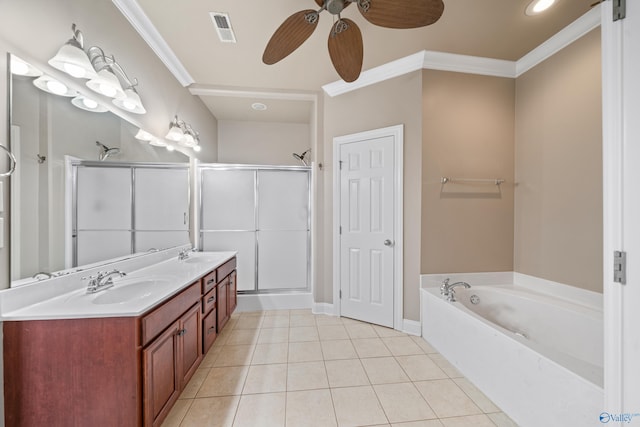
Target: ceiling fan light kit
point(345, 39)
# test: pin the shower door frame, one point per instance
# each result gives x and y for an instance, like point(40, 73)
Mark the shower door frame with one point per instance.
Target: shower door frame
point(256, 169)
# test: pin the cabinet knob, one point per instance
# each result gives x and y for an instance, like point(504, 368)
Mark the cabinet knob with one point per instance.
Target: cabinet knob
point(211, 330)
point(211, 299)
point(181, 332)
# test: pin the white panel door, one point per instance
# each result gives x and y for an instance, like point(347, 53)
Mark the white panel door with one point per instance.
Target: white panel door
point(228, 200)
point(161, 199)
point(367, 224)
point(283, 200)
point(104, 198)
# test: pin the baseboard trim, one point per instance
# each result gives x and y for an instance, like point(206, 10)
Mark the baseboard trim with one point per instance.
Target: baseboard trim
point(323, 308)
point(411, 327)
point(274, 302)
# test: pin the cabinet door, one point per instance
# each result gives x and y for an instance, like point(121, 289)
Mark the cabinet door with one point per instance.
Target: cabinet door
point(161, 379)
point(223, 314)
point(161, 199)
point(190, 343)
point(209, 330)
point(233, 296)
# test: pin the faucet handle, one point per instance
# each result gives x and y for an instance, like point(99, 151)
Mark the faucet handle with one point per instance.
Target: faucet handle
point(443, 287)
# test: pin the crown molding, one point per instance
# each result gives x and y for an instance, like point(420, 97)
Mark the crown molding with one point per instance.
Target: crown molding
point(379, 74)
point(143, 25)
point(559, 41)
point(204, 90)
point(424, 60)
point(443, 61)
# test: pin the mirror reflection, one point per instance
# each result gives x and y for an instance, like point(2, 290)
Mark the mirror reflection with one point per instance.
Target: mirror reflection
point(49, 133)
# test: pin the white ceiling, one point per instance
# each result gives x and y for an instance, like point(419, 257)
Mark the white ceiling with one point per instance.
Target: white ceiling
point(488, 28)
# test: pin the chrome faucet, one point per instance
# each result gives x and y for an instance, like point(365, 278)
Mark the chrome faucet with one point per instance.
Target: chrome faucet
point(101, 281)
point(447, 290)
point(184, 254)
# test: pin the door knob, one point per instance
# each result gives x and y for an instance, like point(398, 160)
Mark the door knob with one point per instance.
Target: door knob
point(388, 242)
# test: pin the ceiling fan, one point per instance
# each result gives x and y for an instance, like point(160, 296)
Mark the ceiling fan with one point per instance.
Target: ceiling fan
point(345, 39)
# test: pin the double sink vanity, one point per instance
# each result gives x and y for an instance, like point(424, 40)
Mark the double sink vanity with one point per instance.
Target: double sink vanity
point(120, 353)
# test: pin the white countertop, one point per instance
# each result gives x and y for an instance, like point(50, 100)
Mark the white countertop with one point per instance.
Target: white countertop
point(154, 284)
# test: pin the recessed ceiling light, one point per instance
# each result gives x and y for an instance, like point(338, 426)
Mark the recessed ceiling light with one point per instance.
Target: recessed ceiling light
point(258, 106)
point(538, 6)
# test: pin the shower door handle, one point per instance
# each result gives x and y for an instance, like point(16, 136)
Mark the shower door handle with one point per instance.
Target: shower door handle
point(388, 243)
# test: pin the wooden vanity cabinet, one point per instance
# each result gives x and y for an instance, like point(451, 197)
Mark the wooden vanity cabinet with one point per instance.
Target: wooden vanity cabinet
point(113, 371)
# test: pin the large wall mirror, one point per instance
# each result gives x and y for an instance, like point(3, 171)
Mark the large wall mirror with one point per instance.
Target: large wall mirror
point(48, 133)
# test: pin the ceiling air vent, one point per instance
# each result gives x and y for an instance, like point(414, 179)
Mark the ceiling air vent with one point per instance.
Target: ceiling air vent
point(223, 26)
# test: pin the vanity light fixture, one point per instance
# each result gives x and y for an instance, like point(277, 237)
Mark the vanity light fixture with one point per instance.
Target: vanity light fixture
point(157, 142)
point(182, 133)
point(88, 104)
point(72, 59)
point(538, 6)
point(175, 130)
point(143, 135)
point(197, 148)
point(105, 82)
point(105, 75)
point(23, 68)
point(170, 148)
point(51, 85)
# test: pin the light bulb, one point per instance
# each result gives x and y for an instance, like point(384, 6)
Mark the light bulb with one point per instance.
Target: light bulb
point(74, 70)
point(107, 90)
point(128, 105)
point(56, 87)
point(197, 148)
point(170, 148)
point(18, 67)
point(89, 103)
point(542, 5)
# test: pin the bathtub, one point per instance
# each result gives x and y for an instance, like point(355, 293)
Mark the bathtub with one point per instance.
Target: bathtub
point(534, 347)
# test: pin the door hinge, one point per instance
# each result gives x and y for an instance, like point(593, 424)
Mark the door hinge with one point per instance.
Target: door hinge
point(340, 164)
point(340, 293)
point(619, 9)
point(620, 267)
point(340, 230)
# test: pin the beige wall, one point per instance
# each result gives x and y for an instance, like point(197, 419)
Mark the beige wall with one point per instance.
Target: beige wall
point(393, 102)
point(468, 131)
point(262, 142)
point(558, 200)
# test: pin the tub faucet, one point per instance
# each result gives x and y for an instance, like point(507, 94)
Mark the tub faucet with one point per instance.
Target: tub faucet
point(448, 291)
point(101, 281)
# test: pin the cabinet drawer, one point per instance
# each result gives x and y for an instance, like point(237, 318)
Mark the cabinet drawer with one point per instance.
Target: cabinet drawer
point(225, 269)
point(209, 330)
point(158, 320)
point(209, 281)
point(209, 301)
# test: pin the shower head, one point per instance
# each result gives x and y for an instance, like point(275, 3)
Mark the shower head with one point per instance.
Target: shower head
point(302, 156)
point(106, 151)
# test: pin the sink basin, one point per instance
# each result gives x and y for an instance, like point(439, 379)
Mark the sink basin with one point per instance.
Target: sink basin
point(129, 290)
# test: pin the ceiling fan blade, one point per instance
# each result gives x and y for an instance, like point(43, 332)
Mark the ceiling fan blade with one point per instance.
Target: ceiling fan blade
point(401, 14)
point(290, 35)
point(345, 49)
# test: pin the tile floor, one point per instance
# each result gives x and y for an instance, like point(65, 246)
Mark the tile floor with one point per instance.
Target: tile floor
point(293, 368)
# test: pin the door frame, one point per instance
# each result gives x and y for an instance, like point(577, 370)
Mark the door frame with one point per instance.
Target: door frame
point(620, 201)
point(397, 133)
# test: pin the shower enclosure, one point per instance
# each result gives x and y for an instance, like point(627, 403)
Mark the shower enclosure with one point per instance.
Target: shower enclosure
point(263, 212)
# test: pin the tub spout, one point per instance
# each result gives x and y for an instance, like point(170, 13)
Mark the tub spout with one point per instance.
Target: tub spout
point(449, 292)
